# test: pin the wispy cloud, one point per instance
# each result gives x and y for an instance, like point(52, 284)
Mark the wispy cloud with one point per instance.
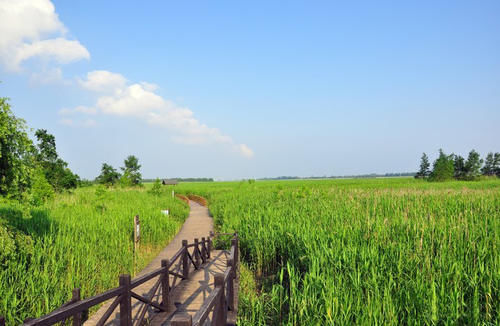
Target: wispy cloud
point(118, 98)
point(32, 29)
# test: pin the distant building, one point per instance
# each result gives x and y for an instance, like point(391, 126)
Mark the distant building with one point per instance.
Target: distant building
point(169, 182)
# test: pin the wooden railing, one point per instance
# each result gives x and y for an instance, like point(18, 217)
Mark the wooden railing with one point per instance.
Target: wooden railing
point(222, 297)
point(219, 300)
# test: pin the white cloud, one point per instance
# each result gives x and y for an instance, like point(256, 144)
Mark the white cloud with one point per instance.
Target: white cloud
point(140, 101)
point(103, 81)
point(32, 29)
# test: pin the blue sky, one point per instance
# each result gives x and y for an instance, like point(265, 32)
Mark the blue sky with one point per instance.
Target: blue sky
point(257, 89)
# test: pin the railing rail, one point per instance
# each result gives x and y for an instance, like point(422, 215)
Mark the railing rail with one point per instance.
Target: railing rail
point(124, 292)
point(220, 300)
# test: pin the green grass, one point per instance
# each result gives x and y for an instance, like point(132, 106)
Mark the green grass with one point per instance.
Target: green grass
point(383, 251)
point(79, 240)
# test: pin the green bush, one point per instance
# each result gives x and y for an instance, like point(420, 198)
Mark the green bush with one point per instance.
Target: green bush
point(41, 190)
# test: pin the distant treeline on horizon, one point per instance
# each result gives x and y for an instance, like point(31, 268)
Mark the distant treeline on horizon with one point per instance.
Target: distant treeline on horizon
point(358, 176)
point(183, 179)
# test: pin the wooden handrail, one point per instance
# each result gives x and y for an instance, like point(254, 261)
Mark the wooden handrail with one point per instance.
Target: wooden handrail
point(68, 311)
point(217, 301)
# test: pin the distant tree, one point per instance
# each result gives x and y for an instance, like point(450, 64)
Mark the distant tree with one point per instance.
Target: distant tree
point(496, 165)
point(56, 170)
point(132, 168)
point(109, 176)
point(459, 166)
point(489, 165)
point(443, 168)
point(424, 171)
point(46, 146)
point(16, 153)
point(473, 165)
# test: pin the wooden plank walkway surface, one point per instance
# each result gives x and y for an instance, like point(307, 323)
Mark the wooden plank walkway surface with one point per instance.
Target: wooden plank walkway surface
point(190, 293)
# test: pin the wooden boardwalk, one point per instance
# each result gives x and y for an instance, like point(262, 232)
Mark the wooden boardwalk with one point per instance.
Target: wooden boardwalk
point(190, 294)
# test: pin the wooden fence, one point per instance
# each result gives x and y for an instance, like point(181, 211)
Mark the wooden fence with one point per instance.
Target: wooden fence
point(219, 301)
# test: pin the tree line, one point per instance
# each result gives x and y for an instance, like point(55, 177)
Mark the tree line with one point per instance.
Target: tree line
point(30, 171)
point(448, 167)
point(130, 176)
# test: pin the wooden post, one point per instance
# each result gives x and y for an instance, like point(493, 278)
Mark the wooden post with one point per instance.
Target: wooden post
point(77, 318)
point(165, 283)
point(234, 242)
point(126, 301)
point(220, 309)
point(185, 262)
point(2, 321)
point(181, 320)
point(210, 243)
point(196, 253)
point(203, 250)
point(230, 285)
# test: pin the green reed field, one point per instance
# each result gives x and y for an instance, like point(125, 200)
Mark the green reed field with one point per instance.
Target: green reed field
point(80, 240)
point(381, 251)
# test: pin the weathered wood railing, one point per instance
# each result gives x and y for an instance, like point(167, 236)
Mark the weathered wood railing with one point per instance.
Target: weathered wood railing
point(222, 297)
point(219, 300)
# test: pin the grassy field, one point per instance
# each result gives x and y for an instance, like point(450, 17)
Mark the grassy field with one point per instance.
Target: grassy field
point(80, 240)
point(379, 251)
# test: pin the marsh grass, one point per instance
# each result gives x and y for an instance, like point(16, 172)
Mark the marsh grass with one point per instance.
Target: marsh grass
point(384, 251)
point(80, 240)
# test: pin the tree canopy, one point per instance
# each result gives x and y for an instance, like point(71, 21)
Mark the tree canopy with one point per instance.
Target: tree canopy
point(131, 169)
point(109, 175)
point(447, 167)
point(16, 153)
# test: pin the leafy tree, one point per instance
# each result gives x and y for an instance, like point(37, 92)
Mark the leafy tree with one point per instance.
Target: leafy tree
point(473, 165)
point(56, 170)
point(459, 165)
point(16, 153)
point(46, 146)
point(109, 176)
point(443, 168)
point(132, 168)
point(424, 167)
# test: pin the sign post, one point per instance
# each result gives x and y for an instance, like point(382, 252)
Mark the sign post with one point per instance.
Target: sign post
point(137, 231)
